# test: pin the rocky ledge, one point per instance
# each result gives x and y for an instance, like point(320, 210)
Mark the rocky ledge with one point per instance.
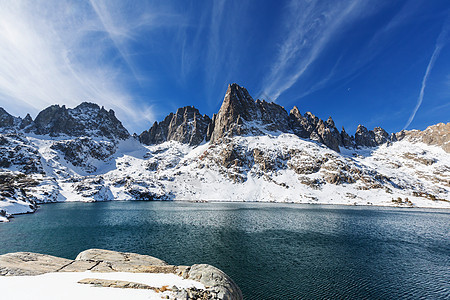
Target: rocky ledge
point(217, 284)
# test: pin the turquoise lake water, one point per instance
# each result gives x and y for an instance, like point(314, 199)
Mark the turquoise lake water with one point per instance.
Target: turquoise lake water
point(272, 251)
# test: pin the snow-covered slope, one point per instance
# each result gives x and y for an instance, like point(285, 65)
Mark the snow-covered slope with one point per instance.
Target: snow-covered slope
point(278, 168)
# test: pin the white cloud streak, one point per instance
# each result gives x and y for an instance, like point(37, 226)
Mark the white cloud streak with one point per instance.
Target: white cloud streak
point(440, 42)
point(57, 52)
point(310, 26)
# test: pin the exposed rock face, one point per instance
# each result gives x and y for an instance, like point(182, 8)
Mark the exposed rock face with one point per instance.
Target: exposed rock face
point(216, 281)
point(27, 263)
point(87, 119)
point(310, 126)
point(80, 151)
point(26, 121)
point(6, 120)
point(217, 284)
point(438, 135)
point(108, 256)
point(16, 150)
point(364, 137)
point(381, 136)
point(187, 126)
point(240, 114)
point(347, 141)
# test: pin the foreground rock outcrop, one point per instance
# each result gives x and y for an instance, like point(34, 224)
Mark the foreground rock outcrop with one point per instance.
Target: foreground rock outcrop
point(217, 284)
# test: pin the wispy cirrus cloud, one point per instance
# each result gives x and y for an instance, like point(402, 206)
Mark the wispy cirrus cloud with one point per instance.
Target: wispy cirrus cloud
point(63, 52)
point(310, 26)
point(440, 42)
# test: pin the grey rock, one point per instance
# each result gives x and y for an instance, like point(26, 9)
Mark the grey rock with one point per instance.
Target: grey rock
point(87, 119)
point(240, 114)
point(16, 150)
point(310, 126)
point(298, 124)
point(438, 135)
point(101, 255)
point(347, 141)
point(187, 126)
point(81, 150)
point(215, 280)
point(26, 121)
point(27, 263)
point(364, 137)
point(381, 136)
point(369, 138)
point(6, 120)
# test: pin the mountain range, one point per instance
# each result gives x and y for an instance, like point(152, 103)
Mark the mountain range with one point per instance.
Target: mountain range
point(249, 151)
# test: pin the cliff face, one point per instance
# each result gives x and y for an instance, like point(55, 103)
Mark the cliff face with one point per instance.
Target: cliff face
point(186, 126)
point(438, 135)
point(6, 120)
point(87, 119)
point(240, 114)
point(310, 126)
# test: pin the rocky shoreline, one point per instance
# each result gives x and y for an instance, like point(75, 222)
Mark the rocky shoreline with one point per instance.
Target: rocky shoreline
point(217, 285)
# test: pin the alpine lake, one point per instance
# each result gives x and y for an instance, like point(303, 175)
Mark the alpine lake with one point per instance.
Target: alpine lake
point(272, 251)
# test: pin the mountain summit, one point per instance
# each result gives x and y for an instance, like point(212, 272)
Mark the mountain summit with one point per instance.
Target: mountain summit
point(87, 119)
point(240, 114)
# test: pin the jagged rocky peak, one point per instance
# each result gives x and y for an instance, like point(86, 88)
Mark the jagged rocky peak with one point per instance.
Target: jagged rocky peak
point(347, 140)
point(26, 121)
point(9, 123)
point(381, 136)
point(240, 114)
point(87, 119)
point(364, 137)
point(187, 126)
point(6, 120)
point(438, 135)
point(310, 126)
point(370, 138)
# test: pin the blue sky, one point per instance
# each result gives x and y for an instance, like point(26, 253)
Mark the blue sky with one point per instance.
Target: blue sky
point(376, 63)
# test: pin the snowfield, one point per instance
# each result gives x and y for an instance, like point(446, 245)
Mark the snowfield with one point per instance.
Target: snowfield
point(64, 286)
point(275, 167)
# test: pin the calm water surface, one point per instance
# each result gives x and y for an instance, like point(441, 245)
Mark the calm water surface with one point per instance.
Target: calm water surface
point(272, 251)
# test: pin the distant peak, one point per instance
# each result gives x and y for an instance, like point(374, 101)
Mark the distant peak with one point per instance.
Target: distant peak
point(91, 105)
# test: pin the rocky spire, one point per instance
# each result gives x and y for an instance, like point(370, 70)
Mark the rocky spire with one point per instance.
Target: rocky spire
point(237, 105)
point(347, 141)
point(240, 114)
point(26, 121)
point(369, 138)
point(310, 126)
point(364, 137)
point(187, 126)
point(381, 136)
